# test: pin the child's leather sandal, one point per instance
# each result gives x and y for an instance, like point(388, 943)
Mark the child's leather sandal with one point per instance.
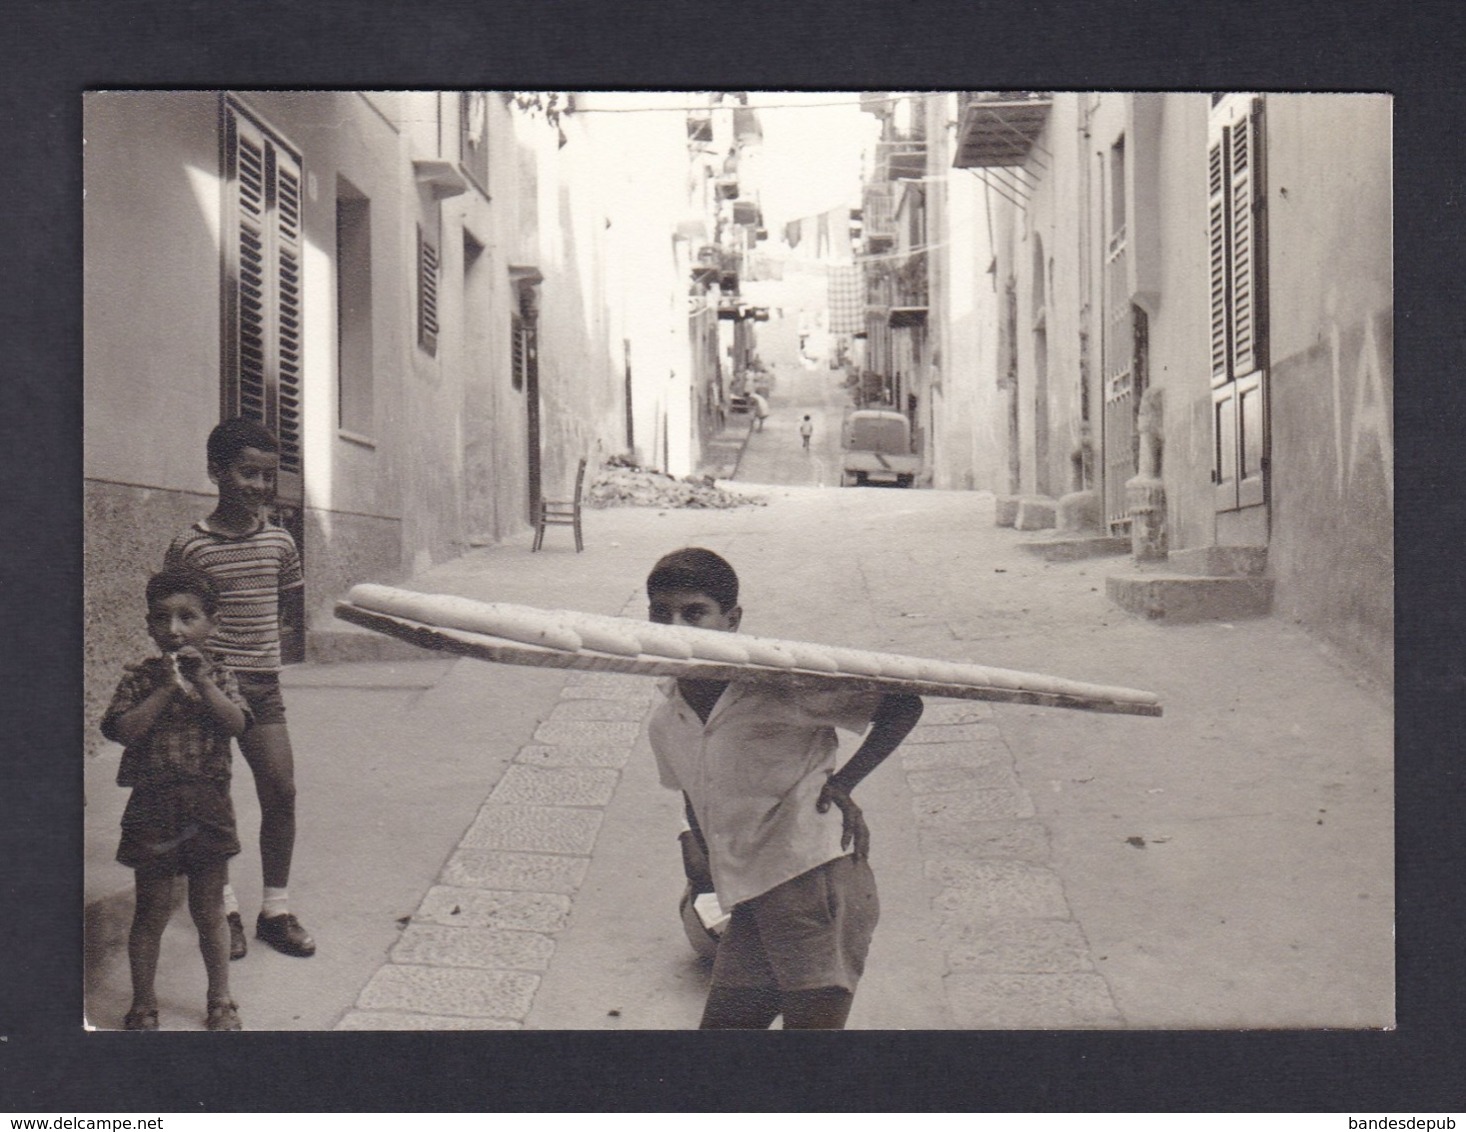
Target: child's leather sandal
point(223, 1016)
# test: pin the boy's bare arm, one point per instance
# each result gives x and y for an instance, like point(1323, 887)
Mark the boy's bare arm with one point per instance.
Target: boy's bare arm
point(897, 715)
point(694, 851)
point(893, 720)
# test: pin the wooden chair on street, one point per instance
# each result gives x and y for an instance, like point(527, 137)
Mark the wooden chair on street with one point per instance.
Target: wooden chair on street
point(561, 512)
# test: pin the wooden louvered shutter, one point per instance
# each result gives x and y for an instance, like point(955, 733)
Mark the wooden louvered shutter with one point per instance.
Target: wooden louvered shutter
point(263, 351)
point(263, 321)
point(1244, 242)
point(1235, 188)
point(1217, 230)
point(517, 358)
point(427, 293)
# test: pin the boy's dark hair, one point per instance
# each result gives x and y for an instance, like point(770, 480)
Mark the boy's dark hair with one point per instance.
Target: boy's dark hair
point(184, 580)
point(693, 568)
point(231, 437)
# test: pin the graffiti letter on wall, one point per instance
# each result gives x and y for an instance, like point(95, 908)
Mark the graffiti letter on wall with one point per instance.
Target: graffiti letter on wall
point(1371, 410)
point(1371, 431)
point(1335, 351)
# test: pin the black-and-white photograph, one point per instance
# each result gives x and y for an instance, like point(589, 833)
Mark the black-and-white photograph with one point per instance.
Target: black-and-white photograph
point(660, 560)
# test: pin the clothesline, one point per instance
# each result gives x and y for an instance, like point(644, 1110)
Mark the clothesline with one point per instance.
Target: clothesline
point(857, 99)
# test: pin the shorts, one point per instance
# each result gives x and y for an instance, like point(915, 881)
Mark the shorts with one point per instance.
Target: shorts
point(810, 932)
point(178, 829)
point(261, 690)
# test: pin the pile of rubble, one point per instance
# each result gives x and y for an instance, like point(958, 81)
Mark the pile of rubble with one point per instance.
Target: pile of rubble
point(621, 483)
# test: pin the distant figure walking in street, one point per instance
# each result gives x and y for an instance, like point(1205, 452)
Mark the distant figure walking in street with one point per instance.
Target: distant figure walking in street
point(775, 831)
point(806, 430)
point(760, 411)
point(174, 714)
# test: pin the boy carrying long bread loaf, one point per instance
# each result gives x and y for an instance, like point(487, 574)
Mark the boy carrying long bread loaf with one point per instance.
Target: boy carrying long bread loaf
point(773, 823)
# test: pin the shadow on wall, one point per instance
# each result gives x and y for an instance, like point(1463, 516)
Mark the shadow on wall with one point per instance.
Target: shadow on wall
point(126, 533)
point(340, 551)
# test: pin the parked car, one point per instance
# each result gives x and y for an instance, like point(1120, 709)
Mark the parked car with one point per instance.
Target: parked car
point(877, 449)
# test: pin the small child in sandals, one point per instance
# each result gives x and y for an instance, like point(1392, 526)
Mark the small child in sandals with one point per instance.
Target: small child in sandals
point(175, 714)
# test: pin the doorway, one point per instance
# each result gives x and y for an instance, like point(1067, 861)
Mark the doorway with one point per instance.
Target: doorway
point(525, 340)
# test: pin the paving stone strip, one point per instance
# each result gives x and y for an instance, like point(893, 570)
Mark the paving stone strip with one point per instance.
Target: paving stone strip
point(471, 957)
point(1015, 957)
point(473, 953)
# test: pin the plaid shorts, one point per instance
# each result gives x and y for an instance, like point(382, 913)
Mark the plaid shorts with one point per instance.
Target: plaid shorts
point(810, 932)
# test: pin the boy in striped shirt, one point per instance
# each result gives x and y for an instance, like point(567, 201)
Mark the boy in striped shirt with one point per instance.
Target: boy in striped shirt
point(252, 561)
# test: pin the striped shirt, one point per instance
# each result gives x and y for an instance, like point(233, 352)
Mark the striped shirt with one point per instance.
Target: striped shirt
point(250, 571)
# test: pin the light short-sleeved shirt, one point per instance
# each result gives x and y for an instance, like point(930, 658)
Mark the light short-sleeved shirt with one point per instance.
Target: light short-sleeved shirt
point(753, 773)
point(251, 572)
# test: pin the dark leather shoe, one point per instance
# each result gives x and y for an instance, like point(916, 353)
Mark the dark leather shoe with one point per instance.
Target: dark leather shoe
point(238, 945)
point(285, 935)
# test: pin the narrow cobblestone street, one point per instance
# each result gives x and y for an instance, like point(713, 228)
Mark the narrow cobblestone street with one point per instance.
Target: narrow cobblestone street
point(487, 847)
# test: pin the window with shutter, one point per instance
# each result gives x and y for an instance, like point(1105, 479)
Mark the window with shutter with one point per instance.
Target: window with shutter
point(517, 353)
point(263, 327)
point(1235, 200)
point(427, 293)
point(263, 323)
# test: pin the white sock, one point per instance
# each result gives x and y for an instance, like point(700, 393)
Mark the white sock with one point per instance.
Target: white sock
point(231, 902)
point(276, 903)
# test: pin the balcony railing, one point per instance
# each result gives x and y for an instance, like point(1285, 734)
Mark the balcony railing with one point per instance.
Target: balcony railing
point(909, 291)
point(900, 159)
point(999, 127)
point(910, 278)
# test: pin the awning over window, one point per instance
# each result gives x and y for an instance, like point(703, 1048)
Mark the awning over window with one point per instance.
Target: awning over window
point(999, 127)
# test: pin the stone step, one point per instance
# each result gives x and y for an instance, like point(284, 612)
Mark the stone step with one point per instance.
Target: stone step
point(1035, 513)
point(1071, 549)
point(1184, 598)
point(345, 643)
point(1220, 561)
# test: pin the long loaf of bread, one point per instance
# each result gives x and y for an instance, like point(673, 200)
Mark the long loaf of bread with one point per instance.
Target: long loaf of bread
point(559, 638)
